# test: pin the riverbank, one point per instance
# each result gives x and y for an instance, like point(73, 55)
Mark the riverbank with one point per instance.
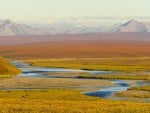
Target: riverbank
point(128, 65)
point(138, 92)
point(121, 68)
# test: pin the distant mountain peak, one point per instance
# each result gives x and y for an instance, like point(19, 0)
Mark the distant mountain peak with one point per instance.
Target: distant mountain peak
point(9, 28)
point(132, 21)
point(8, 21)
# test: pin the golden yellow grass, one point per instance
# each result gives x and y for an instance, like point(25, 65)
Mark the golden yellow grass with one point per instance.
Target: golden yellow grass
point(7, 68)
point(136, 92)
point(67, 74)
point(141, 88)
point(64, 101)
point(119, 76)
point(5, 76)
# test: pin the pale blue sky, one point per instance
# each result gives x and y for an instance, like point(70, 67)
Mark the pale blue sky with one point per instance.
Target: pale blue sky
point(40, 10)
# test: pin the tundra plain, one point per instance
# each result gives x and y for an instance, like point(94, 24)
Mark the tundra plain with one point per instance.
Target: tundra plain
point(127, 59)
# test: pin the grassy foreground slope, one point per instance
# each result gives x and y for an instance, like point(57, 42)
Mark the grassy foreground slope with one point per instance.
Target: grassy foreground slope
point(7, 68)
point(64, 101)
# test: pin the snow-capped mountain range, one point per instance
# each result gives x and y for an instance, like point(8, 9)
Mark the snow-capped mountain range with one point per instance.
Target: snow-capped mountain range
point(9, 28)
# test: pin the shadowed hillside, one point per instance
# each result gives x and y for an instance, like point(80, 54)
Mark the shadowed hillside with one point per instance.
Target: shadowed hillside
point(7, 69)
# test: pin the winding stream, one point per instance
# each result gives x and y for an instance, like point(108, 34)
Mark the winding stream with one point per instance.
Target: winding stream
point(33, 71)
point(121, 85)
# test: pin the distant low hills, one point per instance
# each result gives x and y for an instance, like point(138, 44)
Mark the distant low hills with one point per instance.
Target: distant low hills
point(7, 68)
point(9, 28)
